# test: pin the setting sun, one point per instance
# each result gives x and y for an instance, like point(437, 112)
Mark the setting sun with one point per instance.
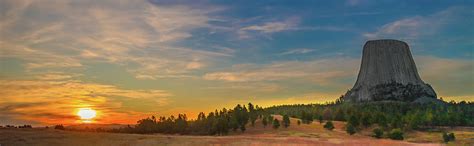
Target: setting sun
point(86, 114)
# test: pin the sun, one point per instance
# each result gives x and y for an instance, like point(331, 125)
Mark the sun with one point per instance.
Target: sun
point(86, 114)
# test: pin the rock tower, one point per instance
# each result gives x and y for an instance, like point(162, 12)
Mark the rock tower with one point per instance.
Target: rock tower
point(388, 72)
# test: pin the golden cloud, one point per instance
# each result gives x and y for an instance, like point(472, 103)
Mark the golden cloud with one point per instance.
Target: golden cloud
point(53, 101)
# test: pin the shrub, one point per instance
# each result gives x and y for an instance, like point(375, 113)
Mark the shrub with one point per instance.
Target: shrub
point(59, 127)
point(276, 123)
point(445, 137)
point(350, 129)
point(25, 126)
point(378, 133)
point(448, 137)
point(329, 125)
point(396, 134)
point(451, 137)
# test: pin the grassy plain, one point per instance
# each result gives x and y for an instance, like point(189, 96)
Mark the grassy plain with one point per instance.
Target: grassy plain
point(304, 134)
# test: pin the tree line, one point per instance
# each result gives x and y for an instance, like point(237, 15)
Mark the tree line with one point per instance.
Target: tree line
point(214, 123)
point(390, 117)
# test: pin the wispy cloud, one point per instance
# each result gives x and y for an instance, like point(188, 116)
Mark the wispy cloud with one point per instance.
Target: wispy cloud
point(297, 51)
point(322, 71)
point(56, 76)
point(138, 35)
point(449, 77)
point(414, 27)
point(269, 27)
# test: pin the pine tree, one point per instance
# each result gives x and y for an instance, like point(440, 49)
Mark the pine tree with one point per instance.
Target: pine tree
point(354, 121)
point(264, 122)
point(276, 124)
point(377, 133)
point(396, 134)
point(350, 129)
point(365, 120)
point(329, 125)
point(286, 121)
point(320, 118)
point(252, 114)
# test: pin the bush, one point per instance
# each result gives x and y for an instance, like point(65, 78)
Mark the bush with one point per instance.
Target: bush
point(329, 125)
point(448, 137)
point(350, 129)
point(25, 126)
point(59, 127)
point(276, 123)
point(445, 137)
point(451, 137)
point(396, 134)
point(378, 133)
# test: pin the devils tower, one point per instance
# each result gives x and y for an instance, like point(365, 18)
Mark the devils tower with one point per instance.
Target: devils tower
point(388, 72)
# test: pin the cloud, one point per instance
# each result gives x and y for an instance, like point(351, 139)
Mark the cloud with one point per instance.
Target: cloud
point(249, 87)
point(355, 2)
point(56, 76)
point(417, 26)
point(269, 27)
point(50, 101)
point(449, 77)
point(297, 51)
point(321, 71)
point(144, 38)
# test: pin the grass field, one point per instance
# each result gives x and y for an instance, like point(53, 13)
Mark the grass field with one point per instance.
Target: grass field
point(311, 134)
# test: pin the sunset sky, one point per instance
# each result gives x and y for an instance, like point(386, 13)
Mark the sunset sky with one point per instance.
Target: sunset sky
point(131, 59)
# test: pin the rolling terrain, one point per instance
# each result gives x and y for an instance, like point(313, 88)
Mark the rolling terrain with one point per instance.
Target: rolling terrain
point(304, 134)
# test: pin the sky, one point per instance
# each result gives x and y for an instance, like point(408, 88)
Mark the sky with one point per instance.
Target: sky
point(129, 59)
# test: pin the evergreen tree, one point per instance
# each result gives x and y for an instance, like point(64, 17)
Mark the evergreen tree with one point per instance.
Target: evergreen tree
point(365, 120)
point(378, 133)
point(234, 123)
point(306, 118)
point(350, 129)
point(276, 124)
point(445, 137)
point(329, 125)
point(381, 120)
point(252, 114)
point(264, 122)
point(397, 122)
point(286, 121)
point(245, 119)
point(396, 134)
point(452, 137)
point(270, 118)
point(354, 121)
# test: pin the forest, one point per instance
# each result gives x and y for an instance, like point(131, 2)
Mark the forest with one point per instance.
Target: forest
point(390, 116)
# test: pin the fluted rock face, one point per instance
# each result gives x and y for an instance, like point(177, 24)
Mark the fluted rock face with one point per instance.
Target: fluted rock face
point(388, 72)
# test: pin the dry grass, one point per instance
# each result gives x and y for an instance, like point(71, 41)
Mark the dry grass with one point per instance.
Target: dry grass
point(304, 134)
